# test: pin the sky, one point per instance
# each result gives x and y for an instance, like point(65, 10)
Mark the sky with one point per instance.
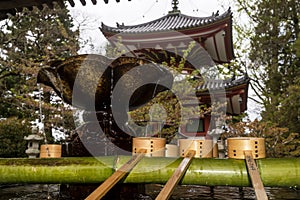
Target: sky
point(134, 12)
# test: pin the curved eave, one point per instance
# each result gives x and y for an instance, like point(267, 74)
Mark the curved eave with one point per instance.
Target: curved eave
point(202, 30)
point(172, 21)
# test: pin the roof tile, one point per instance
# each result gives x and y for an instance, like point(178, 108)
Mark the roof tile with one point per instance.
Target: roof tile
point(214, 84)
point(171, 21)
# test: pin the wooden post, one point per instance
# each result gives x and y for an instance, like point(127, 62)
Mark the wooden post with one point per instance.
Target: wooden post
point(116, 176)
point(176, 177)
point(255, 177)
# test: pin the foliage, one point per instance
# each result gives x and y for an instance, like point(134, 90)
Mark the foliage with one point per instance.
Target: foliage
point(267, 48)
point(280, 142)
point(174, 107)
point(274, 58)
point(29, 41)
point(12, 132)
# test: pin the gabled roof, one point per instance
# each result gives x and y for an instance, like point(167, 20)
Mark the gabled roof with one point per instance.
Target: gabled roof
point(172, 21)
point(12, 7)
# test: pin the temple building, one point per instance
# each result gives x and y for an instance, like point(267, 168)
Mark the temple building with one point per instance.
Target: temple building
point(236, 102)
point(172, 33)
point(173, 30)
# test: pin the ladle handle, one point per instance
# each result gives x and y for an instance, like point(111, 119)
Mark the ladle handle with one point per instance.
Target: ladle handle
point(116, 176)
point(255, 177)
point(168, 189)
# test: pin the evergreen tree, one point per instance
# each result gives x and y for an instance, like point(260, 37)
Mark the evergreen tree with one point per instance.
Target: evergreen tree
point(29, 41)
point(271, 58)
point(275, 59)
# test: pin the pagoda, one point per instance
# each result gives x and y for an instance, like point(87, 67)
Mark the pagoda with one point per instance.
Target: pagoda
point(172, 33)
point(214, 33)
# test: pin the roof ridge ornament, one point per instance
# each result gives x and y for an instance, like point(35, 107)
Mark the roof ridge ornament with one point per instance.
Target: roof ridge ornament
point(175, 7)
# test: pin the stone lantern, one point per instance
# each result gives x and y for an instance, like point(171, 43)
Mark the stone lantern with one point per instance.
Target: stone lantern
point(33, 143)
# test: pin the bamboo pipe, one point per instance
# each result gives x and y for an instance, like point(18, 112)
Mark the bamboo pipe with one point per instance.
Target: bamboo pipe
point(279, 172)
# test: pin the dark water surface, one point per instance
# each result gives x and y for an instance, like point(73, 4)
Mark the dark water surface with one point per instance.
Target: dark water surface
point(35, 191)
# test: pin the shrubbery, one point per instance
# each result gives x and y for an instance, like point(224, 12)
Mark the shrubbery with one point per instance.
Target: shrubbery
point(12, 132)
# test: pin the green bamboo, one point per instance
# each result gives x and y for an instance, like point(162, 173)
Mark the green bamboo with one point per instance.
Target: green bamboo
point(211, 172)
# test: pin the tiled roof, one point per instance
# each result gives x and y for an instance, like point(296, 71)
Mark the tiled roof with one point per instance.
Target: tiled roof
point(223, 84)
point(172, 21)
point(236, 91)
point(8, 7)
